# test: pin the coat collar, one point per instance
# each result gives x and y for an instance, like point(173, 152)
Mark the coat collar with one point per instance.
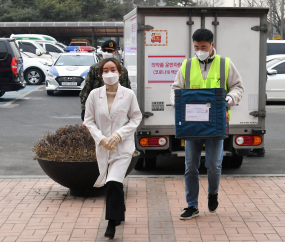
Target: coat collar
point(117, 100)
point(120, 92)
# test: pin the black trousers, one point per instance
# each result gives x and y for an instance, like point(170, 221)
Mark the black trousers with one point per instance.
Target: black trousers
point(115, 201)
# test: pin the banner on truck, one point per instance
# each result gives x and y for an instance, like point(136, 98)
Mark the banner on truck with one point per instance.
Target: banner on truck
point(155, 38)
point(162, 69)
point(134, 32)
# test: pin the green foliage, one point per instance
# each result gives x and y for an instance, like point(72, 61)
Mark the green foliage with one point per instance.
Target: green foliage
point(58, 10)
point(63, 10)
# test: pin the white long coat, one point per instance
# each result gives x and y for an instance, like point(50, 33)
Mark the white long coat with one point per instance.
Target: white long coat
point(124, 117)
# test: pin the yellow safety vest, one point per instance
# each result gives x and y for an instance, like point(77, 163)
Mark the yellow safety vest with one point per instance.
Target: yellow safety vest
point(217, 76)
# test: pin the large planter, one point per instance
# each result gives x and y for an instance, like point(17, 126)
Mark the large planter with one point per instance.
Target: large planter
point(78, 176)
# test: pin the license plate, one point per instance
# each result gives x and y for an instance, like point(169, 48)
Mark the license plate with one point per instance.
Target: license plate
point(182, 142)
point(69, 83)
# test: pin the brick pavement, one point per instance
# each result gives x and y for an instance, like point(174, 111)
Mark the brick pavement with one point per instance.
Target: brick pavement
point(251, 209)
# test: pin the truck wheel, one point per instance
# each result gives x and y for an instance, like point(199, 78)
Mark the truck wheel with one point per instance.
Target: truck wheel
point(139, 165)
point(50, 93)
point(150, 163)
point(2, 93)
point(236, 161)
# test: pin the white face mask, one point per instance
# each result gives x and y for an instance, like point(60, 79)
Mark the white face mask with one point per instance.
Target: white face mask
point(111, 78)
point(202, 55)
point(107, 55)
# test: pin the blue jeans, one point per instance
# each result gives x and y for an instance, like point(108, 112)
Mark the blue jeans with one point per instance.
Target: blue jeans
point(214, 158)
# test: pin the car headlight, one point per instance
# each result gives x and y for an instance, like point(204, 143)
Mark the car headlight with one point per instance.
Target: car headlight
point(46, 63)
point(50, 74)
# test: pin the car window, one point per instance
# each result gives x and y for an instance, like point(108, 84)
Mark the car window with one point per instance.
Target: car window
point(75, 60)
point(51, 48)
point(42, 45)
point(3, 50)
point(15, 49)
point(280, 68)
point(272, 62)
point(78, 44)
point(275, 48)
point(60, 45)
point(26, 47)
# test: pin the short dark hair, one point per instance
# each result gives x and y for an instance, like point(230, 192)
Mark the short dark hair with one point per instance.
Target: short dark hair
point(203, 35)
point(115, 61)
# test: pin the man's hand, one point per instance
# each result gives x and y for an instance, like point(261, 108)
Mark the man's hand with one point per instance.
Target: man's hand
point(230, 101)
point(82, 114)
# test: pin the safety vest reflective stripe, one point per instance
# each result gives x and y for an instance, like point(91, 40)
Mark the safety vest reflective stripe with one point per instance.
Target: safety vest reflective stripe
point(193, 78)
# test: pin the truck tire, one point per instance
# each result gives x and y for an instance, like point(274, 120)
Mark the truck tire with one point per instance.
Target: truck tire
point(150, 163)
point(236, 161)
point(50, 93)
point(139, 165)
point(2, 93)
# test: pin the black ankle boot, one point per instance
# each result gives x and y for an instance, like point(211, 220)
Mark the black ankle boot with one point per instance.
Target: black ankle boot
point(111, 229)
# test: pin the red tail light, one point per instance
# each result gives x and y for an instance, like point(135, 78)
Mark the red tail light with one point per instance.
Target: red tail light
point(248, 140)
point(14, 66)
point(153, 141)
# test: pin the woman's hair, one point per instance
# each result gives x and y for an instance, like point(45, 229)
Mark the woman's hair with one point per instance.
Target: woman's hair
point(115, 61)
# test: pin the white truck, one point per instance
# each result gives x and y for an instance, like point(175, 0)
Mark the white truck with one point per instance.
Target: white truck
point(158, 39)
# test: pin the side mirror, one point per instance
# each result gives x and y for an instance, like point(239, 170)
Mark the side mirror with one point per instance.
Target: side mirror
point(38, 52)
point(271, 72)
point(47, 52)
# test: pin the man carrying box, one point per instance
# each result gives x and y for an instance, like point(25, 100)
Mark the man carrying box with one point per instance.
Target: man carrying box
point(203, 71)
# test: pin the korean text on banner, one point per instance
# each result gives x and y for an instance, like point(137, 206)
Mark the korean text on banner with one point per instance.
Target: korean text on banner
point(162, 69)
point(134, 32)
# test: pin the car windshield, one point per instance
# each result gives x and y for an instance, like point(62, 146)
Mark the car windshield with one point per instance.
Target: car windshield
point(272, 62)
point(78, 44)
point(29, 54)
point(60, 45)
point(40, 47)
point(275, 48)
point(75, 60)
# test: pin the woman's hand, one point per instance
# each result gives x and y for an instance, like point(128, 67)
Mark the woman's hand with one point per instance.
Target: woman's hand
point(113, 140)
point(105, 145)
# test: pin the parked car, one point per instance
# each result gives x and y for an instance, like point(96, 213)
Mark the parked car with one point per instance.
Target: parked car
point(275, 86)
point(69, 71)
point(51, 47)
point(34, 48)
point(272, 57)
point(35, 68)
point(79, 42)
point(275, 47)
point(11, 67)
point(32, 37)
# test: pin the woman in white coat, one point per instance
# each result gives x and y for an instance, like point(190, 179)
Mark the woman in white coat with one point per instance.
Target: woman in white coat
point(112, 115)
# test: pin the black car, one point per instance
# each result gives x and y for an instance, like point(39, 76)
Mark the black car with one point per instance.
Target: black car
point(11, 67)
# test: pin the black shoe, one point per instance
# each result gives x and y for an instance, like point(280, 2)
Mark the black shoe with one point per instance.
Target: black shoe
point(118, 222)
point(111, 229)
point(213, 202)
point(190, 213)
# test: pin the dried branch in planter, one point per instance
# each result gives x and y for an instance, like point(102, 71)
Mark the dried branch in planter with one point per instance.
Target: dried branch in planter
point(68, 143)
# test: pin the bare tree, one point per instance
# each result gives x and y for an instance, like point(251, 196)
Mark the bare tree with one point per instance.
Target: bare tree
point(210, 3)
point(274, 15)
